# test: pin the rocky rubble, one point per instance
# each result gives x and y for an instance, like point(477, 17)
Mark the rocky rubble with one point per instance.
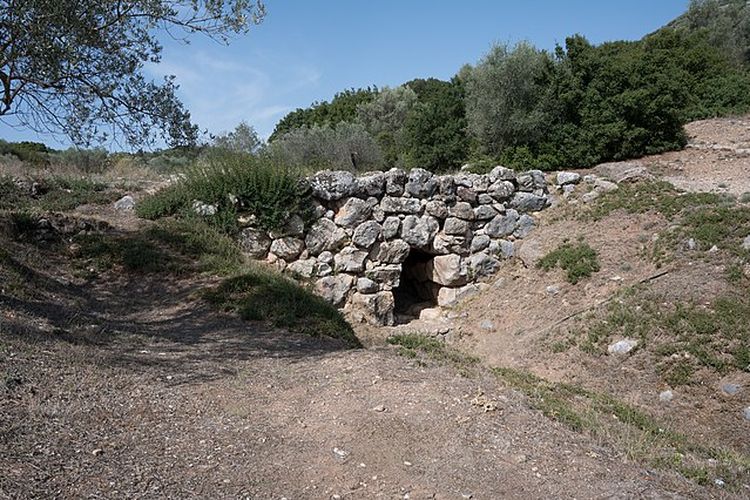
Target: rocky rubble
point(366, 227)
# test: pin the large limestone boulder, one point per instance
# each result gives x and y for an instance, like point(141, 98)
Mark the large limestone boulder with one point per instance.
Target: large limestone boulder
point(125, 203)
point(353, 212)
point(528, 202)
point(447, 186)
point(395, 180)
point(502, 225)
point(374, 309)
point(421, 183)
point(436, 208)
point(531, 181)
point(332, 185)
point(447, 270)
point(479, 243)
point(366, 285)
point(623, 171)
point(456, 227)
point(444, 244)
point(565, 178)
point(389, 276)
point(335, 289)
point(324, 236)
point(287, 248)
point(366, 234)
point(462, 210)
point(391, 227)
point(419, 231)
point(395, 205)
point(372, 184)
point(350, 260)
point(501, 190)
point(501, 173)
point(484, 212)
point(306, 268)
point(254, 243)
point(391, 252)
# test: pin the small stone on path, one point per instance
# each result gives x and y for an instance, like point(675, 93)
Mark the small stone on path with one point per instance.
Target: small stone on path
point(622, 347)
point(666, 396)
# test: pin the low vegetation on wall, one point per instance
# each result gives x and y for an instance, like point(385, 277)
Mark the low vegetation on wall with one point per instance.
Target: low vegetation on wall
point(226, 183)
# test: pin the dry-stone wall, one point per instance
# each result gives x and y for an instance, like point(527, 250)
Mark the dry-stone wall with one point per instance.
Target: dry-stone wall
point(397, 236)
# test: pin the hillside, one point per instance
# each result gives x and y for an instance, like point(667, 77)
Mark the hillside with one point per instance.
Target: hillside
point(120, 379)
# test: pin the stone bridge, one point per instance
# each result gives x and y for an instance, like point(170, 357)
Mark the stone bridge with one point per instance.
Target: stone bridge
point(385, 245)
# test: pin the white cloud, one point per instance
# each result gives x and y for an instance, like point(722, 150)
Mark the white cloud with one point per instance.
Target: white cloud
point(220, 90)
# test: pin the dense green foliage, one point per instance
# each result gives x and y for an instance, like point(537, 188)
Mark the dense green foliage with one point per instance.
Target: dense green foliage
point(384, 118)
point(581, 105)
point(578, 260)
point(342, 108)
point(233, 183)
point(435, 131)
point(343, 146)
point(77, 67)
point(31, 152)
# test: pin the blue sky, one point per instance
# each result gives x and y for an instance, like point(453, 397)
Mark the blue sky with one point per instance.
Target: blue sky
point(306, 51)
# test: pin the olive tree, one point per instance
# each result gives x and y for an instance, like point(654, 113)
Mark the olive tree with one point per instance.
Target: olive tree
point(504, 93)
point(384, 118)
point(346, 146)
point(76, 66)
point(243, 139)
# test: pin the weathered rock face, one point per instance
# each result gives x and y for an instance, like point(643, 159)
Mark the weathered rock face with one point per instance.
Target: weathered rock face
point(366, 229)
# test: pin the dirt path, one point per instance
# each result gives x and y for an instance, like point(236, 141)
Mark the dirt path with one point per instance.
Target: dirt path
point(131, 387)
point(717, 158)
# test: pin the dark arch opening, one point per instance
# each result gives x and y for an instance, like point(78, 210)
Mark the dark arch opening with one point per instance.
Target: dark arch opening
point(416, 290)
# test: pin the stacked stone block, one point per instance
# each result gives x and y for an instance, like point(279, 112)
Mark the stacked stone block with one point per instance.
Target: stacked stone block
point(365, 227)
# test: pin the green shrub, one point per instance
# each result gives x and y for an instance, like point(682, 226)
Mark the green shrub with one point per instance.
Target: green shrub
point(233, 182)
point(35, 153)
point(435, 130)
point(261, 294)
point(55, 194)
point(86, 160)
point(342, 108)
point(345, 146)
point(657, 196)
point(579, 260)
point(169, 246)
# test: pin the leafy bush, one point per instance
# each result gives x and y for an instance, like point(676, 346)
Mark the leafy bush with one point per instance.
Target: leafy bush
point(55, 193)
point(579, 260)
point(233, 182)
point(435, 130)
point(342, 108)
point(384, 118)
point(86, 160)
point(504, 97)
point(31, 152)
point(346, 146)
point(243, 139)
point(261, 294)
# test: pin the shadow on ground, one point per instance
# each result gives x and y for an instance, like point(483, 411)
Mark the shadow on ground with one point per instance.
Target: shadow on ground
point(142, 322)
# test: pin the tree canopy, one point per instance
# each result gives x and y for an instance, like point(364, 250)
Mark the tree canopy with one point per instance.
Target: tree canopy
point(529, 108)
point(76, 66)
